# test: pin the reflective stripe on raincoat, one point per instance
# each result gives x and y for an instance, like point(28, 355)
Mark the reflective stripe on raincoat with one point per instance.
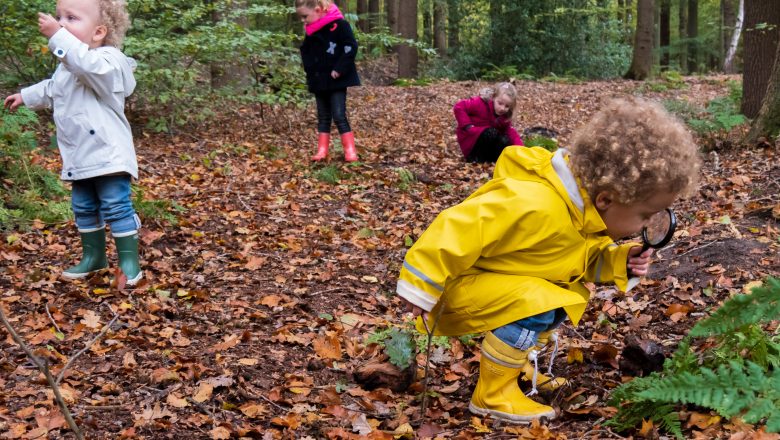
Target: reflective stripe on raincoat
point(522, 244)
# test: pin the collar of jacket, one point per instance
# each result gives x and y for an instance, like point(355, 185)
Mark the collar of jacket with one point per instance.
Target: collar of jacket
point(332, 15)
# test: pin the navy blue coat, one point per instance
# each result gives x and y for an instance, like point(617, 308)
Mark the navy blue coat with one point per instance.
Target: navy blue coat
point(331, 48)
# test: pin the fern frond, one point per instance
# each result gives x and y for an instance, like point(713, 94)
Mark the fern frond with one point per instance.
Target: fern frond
point(760, 305)
point(733, 390)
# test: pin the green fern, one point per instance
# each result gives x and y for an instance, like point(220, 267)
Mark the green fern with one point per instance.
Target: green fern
point(762, 304)
point(734, 389)
point(634, 409)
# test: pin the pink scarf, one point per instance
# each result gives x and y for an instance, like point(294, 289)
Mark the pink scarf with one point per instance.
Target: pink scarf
point(332, 15)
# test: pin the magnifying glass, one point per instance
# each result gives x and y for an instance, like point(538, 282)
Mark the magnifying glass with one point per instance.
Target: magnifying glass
point(659, 230)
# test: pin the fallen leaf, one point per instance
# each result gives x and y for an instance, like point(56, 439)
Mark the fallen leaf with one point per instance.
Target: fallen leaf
point(203, 392)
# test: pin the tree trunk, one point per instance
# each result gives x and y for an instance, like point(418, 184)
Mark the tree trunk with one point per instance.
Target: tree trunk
point(762, 20)
point(665, 31)
point(728, 62)
point(427, 19)
point(362, 12)
point(453, 24)
point(407, 27)
point(682, 29)
point(642, 61)
point(693, 34)
point(767, 123)
point(374, 21)
point(392, 15)
point(233, 73)
point(440, 26)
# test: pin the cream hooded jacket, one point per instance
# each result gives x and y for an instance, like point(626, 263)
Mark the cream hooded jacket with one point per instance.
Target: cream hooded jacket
point(87, 95)
point(522, 244)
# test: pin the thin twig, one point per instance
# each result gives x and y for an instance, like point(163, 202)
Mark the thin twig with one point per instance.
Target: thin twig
point(697, 248)
point(87, 347)
point(56, 327)
point(41, 364)
point(426, 379)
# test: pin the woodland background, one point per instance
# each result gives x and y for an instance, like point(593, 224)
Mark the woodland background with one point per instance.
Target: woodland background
point(268, 307)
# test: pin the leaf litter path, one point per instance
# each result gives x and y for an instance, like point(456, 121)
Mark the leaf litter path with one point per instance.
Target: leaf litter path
point(254, 316)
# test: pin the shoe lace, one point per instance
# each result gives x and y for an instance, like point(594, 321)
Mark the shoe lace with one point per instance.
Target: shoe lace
point(533, 355)
point(554, 338)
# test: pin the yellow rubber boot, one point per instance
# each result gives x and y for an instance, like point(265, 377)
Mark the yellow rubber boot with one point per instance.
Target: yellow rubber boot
point(545, 382)
point(497, 392)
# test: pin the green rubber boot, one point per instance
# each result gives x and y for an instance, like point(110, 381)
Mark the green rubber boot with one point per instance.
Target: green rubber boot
point(127, 250)
point(93, 255)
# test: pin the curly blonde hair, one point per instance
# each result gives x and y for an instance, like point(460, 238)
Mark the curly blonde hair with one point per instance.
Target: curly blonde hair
point(311, 4)
point(634, 149)
point(116, 19)
point(501, 89)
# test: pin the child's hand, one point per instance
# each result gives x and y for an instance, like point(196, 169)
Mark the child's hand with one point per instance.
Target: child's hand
point(47, 24)
point(334, 74)
point(413, 309)
point(638, 261)
point(13, 102)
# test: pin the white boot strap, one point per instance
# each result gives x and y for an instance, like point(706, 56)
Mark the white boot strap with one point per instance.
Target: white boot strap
point(554, 338)
point(533, 356)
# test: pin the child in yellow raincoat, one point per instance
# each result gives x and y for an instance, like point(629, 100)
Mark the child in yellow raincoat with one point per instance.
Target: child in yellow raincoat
point(512, 258)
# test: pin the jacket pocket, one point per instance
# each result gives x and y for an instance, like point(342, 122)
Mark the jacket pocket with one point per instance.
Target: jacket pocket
point(82, 143)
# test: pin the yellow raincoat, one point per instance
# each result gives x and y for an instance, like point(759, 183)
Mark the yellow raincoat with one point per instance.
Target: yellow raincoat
point(522, 244)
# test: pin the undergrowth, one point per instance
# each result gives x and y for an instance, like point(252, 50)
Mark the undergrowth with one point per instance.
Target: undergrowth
point(736, 374)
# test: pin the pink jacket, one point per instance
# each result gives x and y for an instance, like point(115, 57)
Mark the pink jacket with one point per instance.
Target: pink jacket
point(475, 111)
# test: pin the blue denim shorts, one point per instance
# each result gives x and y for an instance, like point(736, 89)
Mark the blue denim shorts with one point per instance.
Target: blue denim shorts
point(524, 333)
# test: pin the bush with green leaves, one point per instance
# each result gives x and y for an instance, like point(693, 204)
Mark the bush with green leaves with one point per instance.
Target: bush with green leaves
point(24, 54)
point(27, 191)
point(737, 374)
point(721, 114)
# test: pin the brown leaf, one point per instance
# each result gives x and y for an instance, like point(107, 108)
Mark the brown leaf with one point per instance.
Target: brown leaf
point(328, 347)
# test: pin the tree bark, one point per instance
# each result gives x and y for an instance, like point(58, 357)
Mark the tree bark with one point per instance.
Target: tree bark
point(440, 26)
point(374, 21)
point(767, 123)
point(392, 15)
point(453, 24)
point(693, 34)
point(762, 21)
point(642, 61)
point(665, 31)
point(682, 30)
point(427, 19)
point(731, 51)
point(362, 12)
point(407, 27)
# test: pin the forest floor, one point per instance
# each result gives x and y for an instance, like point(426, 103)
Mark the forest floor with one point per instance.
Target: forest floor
point(254, 317)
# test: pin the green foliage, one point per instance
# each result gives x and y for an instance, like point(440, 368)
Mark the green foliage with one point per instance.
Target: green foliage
point(24, 55)
point(406, 179)
point(329, 174)
point(548, 144)
point(400, 343)
point(721, 114)
point(27, 191)
point(737, 374)
point(154, 209)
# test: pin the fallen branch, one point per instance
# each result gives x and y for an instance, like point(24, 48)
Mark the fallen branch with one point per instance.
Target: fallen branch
point(41, 365)
point(88, 346)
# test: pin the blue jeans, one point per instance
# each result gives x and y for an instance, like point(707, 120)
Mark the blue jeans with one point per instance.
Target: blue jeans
point(524, 333)
point(104, 199)
point(332, 107)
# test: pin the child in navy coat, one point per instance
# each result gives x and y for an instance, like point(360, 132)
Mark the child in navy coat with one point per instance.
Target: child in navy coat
point(485, 123)
point(328, 54)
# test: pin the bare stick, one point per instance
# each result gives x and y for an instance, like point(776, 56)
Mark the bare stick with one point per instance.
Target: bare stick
point(41, 364)
point(87, 347)
point(428, 358)
point(51, 318)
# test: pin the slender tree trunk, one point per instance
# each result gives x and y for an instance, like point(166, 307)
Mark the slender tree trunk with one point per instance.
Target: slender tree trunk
point(665, 31)
point(682, 29)
point(453, 24)
point(362, 12)
point(728, 62)
point(642, 61)
point(693, 34)
point(657, 33)
point(440, 26)
point(407, 27)
point(762, 21)
point(427, 19)
point(374, 21)
point(767, 123)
